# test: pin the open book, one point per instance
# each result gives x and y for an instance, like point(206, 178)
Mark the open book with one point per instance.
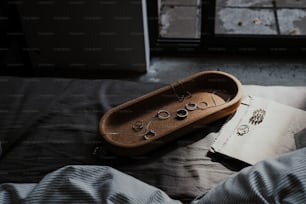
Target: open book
point(260, 129)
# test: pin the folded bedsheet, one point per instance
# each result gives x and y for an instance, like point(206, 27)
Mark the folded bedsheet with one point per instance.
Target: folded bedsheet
point(49, 123)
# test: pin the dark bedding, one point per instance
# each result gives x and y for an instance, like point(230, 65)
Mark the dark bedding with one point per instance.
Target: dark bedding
point(49, 123)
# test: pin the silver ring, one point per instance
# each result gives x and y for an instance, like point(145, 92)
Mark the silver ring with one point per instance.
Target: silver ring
point(138, 125)
point(205, 105)
point(163, 114)
point(181, 113)
point(191, 106)
point(151, 133)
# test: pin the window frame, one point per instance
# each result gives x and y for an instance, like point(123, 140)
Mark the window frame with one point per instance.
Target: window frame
point(219, 43)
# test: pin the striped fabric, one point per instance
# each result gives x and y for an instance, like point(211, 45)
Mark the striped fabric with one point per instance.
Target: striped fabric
point(279, 180)
point(84, 184)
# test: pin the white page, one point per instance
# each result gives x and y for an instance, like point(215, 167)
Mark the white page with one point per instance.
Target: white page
point(252, 139)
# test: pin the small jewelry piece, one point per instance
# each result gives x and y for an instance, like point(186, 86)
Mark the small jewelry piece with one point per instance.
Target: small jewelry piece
point(138, 125)
point(188, 94)
point(203, 105)
point(181, 113)
point(180, 98)
point(191, 106)
point(149, 134)
point(163, 114)
point(258, 116)
point(242, 130)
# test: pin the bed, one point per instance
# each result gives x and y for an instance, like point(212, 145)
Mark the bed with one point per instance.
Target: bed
point(52, 123)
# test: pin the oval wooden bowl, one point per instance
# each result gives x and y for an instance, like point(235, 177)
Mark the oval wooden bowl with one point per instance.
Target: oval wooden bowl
point(149, 121)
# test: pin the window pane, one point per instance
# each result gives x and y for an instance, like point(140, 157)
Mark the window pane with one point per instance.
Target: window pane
point(261, 17)
point(180, 19)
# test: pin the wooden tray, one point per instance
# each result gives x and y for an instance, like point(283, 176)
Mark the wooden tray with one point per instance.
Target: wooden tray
point(154, 119)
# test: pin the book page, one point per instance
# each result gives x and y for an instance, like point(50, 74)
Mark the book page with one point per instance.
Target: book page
point(260, 129)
